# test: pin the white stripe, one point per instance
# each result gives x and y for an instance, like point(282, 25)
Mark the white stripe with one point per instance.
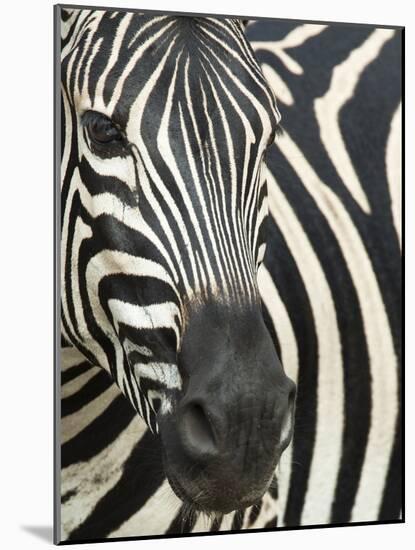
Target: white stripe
point(85, 84)
point(195, 177)
point(64, 240)
point(82, 231)
point(68, 134)
point(132, 391)
point(165, 373)
point(203, 524)
point(115, 50)
point(394, 169)
point(106, 203)
point(330, 399)
point(242, 272)
point(255, 74)
point(94, 478)
point(109, 262)
point(134, 131)
point(289, 358)
point(132, 64)
point(249, 139)
point(154, 517)
point(293, 39)
point(217, 233)
point(327, 108)
point(70, 357)
point(90, 343)
point(87, 38)
point(226, 522)
point(145, 27)
point(383, 362)
point(152, 316)
point(74, 423)
point(281, 90)
point(131, 346)
point(77, 383)
point(69, 26)
point(164, 146)
point(233, 274)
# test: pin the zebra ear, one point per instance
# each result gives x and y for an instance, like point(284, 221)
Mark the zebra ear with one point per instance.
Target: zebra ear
point(243, 23)
point(66, 13)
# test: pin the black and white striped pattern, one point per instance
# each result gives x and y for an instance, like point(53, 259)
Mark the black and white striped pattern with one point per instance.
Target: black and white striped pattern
point(330, 284)
point(179, 212)
point(107, 453)
point(332, 277)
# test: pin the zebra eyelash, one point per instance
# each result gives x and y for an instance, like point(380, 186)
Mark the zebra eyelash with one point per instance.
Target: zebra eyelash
point(279, 131)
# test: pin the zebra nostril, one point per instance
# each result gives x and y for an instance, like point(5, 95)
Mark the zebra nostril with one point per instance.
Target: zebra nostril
point(197, 431)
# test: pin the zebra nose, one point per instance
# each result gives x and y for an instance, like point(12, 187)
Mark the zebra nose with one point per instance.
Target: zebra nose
point(197, 431)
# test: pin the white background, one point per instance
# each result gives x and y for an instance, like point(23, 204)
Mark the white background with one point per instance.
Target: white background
point(26, 252)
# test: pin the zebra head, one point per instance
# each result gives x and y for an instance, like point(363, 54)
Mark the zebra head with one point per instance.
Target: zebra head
point(165, 124)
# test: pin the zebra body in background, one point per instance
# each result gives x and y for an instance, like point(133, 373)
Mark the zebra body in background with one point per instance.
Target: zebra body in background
point(334, 183)
point(330, 286)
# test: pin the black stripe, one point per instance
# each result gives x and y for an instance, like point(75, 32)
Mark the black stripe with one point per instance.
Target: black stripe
point(273, 489)
point(88, 249)
point(357, 384)
point(238, 520)
point(330, 51)
point(304, 129)
point(272, 523)
point(75, 371)
point(254, 513)
point(64, 342)
point(76, 343)
point(285, 274)
point(269, 31)
point(370, 133)
point(73, 216)
point(142, 476)
point(89, 391)
point(361, 133)
point(216, 523)
point(97, 183)
point(99, 434)
point(68, 495)
point(385, 74)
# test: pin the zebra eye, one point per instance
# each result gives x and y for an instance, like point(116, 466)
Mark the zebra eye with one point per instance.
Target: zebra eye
point(101, 129)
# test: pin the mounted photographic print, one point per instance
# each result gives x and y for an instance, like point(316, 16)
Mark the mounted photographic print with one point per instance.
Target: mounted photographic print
point(228, 274)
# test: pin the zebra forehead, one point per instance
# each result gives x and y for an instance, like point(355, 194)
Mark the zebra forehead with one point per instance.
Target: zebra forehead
point(131, 30)
point(115, 53)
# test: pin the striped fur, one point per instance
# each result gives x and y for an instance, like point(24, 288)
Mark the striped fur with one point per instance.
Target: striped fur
point(330, 285)
point(334, 197)
point(181, 214)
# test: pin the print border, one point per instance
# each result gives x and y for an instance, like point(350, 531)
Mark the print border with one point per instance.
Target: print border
point(56, 290)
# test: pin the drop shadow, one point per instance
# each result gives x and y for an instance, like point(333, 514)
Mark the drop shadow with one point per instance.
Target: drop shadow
point(43, 532)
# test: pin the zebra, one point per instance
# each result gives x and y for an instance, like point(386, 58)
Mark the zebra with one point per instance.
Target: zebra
point(167, 120)
point(338, 336)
